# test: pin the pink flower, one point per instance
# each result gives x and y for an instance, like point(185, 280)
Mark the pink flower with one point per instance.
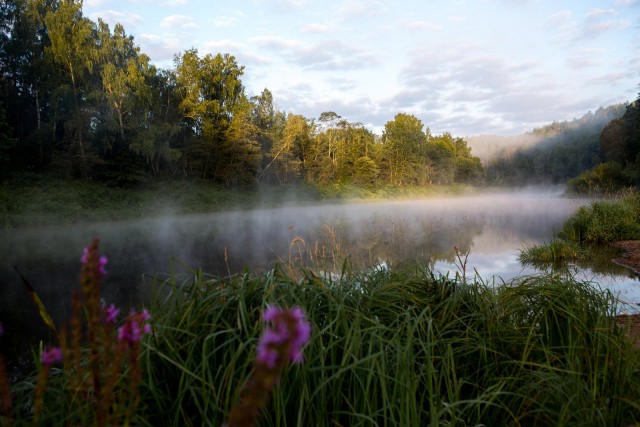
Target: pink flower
point(102, 262)
point(51, 355)
point(111, 313)
point(290, 331)
point(85, 255)
point(134, 327)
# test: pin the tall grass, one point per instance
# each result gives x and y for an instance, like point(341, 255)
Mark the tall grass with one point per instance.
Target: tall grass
point(390, 348)
point(600, 223)
point(555, 252)
point(605, 221)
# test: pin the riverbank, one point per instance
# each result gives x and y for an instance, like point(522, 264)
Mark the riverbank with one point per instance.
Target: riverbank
point(630, 257)
point(30, 199)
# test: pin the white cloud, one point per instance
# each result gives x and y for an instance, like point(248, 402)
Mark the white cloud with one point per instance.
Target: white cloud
point(559, 18)
point(418, 25)
point(127, 20)
point(596, 13)
point(358, 9)
point(178, 21)
point(325, 55)
point(174, 3)
point(315, 28)
point(225, 21)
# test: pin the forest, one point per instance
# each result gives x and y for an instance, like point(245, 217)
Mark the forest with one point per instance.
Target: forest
point(80, 100)
point(598, 152)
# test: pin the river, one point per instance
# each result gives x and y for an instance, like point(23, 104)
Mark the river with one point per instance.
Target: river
point(490, 228)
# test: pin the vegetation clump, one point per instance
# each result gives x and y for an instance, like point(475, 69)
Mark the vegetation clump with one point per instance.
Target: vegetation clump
point(556, 251)
point(605, 222)
point(602, 222)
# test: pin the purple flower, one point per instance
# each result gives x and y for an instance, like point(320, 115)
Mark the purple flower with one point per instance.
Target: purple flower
point(111, 313)
point(290, 331)
point(1, 329)
point(102, 262)
point(51, 355)
point(85, 255)
point(134, 327)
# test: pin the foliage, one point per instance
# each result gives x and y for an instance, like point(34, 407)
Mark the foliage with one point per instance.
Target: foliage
point(619, 147)
point(559, 151)
point(84, 101)
point(605, 178)
point(604, 221)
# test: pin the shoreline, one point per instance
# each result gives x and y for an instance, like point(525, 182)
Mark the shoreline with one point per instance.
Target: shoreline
point(630, 257)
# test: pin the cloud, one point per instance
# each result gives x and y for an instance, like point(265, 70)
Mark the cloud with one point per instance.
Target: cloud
point(127, 20)
point(315, 28)
point(284, 5)
point(418, 25)
point(598, 21)
point(178, 21)
point(324, 55)
point(559, 18)
point(225, 21)
point(174, 3)
point(358, 9)
point(227, 46)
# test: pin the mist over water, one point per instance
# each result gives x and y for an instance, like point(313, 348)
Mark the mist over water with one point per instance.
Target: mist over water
point(491, 227)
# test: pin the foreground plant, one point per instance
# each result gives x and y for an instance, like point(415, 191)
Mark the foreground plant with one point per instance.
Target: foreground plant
point(279, 345)
point(101, 372)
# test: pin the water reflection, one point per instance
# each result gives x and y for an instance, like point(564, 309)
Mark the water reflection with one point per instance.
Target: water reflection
point(491, 228)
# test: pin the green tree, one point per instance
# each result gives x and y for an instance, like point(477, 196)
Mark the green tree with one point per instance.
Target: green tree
point(210, 89)
point(73, 50)
point(269, 123)
point(403, 150)
point(288, 152)
point(7, 142)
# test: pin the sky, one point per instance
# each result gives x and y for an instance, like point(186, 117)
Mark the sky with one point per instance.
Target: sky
point(467, 67)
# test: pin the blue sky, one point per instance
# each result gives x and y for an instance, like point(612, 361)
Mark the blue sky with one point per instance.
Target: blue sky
point(462, 66)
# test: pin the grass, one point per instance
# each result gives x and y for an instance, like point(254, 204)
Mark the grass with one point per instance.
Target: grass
point(556, 251)
point(396, 348)
point(587, 230)
point(388, 348)
point(605, 222)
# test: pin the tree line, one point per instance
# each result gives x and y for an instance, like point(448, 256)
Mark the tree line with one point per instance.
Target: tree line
point(554, 153)
point(81, 100)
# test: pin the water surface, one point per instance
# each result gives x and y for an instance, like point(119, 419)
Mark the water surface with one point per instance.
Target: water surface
point(490, 228)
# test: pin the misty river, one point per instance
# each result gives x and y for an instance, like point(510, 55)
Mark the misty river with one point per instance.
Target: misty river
point(492, 228)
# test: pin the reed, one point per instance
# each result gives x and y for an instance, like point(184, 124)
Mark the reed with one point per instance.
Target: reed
point(399, 347)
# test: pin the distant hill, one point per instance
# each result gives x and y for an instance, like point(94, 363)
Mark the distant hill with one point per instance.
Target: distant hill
point(492, 147)
point(549, 154)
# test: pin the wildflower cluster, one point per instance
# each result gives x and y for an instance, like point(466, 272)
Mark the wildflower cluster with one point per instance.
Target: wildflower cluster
point(103, 391)
point(279, 345)
point(134, 327)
